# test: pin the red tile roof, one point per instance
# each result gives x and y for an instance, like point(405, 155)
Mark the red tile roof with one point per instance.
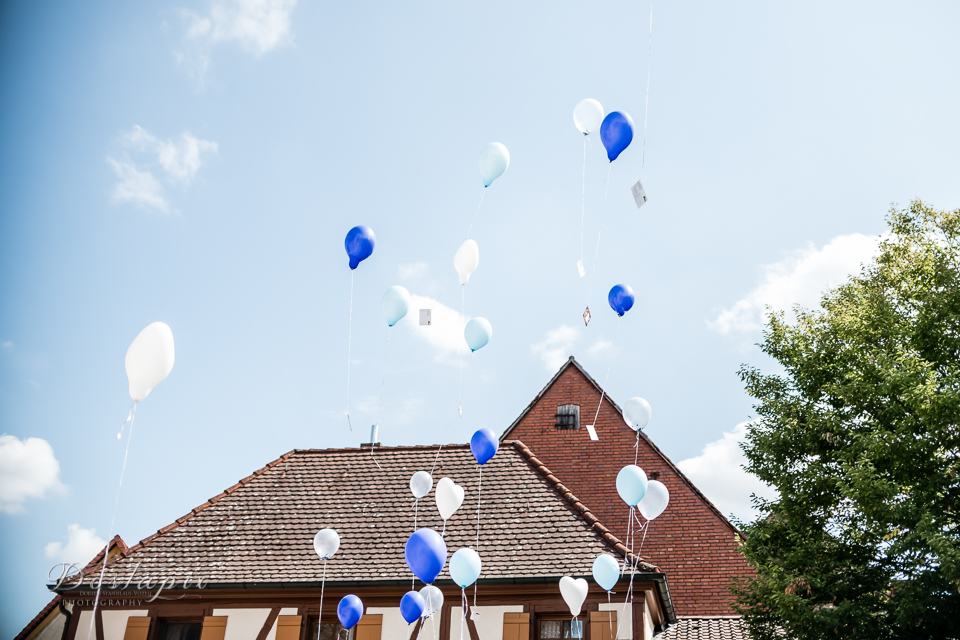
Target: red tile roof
point(706, 628)
point(260, 531)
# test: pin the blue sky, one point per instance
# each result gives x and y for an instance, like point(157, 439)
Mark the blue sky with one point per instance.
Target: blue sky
point(200, 163)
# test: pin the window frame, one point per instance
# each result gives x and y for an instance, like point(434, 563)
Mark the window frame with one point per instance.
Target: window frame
point(567, 420)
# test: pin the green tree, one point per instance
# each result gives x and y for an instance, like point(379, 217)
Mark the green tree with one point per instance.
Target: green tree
point(859, 435)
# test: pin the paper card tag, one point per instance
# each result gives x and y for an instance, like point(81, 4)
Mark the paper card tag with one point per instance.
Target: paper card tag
point(639, 195)
point(580, 268)
point(425, 317)
point(474, 614)
point(592, 432)
point(586, 316)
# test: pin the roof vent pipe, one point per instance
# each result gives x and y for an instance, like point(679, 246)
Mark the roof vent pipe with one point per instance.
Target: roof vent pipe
point(374, 434)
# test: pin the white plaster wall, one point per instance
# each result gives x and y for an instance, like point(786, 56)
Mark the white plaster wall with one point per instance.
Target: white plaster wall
point(647, 622)
point(624, 618)
point(431, 628)
point(115, 623)
point(84, 630)
point(286, 611)
point(54, 630)
point(489, 624)
point(393, 627)
point(242, 624)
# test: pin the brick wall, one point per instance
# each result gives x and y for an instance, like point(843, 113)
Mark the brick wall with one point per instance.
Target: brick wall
point(690, 541)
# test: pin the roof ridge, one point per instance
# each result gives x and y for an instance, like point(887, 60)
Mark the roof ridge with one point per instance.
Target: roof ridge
point(580, 510)
point(571, 361)
point(196, 510)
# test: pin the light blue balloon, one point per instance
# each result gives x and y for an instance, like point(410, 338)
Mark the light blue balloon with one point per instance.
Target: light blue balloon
point(632, 484)
point(395, 303)
point(606, 571)
point(477, 333)
point(494, 160)
point(465, 567)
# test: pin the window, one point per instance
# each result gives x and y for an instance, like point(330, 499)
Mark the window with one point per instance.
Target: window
point(170, 630)
point(549, 629)
point(329, 631)
point(568, 416)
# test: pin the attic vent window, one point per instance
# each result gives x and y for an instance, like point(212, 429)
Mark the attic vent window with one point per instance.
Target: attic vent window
point(568, 416)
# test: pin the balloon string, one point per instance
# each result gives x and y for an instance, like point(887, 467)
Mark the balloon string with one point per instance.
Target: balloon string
point(386, 353)
point(612, 356)
point(479, 487)
point(636, 449)
point(113, 518)
point(596, 254)
point(583, 195)
point(463, 609)
point(633, 569)
point(349, 340)
point(470, 228)
point(129, 419)
point(610, 620)
point(323, 583)
point(646, 109)
point(463, 295)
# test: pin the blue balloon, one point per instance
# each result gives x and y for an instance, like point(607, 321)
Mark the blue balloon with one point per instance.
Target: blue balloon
point(395, 304)
point(632, 484)
point(606, 571)
point(425, 553)
point(484, 445)
point(359, 244)
point(616, 133)
point(621, 298)
point(465, 567)
point(411, 606)
point(350, 610)
point(477, 333)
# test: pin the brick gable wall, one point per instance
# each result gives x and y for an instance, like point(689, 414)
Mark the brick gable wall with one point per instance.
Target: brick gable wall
point(690, 542)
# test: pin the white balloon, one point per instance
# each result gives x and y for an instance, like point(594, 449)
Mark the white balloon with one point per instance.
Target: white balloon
point(654, 501)
point(149, 359)
point(466, 260)
point(574, 592)
point(432, 599)
point(420, 484)
point(588, 116)
point(449, 498)
point(637, 413)
point(326, 543)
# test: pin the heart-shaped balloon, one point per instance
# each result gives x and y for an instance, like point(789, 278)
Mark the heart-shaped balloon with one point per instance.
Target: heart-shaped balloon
point(574, 592)
point(654, 501)
point(449, 498)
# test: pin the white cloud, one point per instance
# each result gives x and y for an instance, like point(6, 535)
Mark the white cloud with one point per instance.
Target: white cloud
point(800, 278)
point(137, 187)
point(412, 270)
point(719, 474)
point(181, 160)
point(599, 347)
point(257, 25)
point(556, 347)
point(82, 545)
point(178, 160)
point(28, 469)
point(445, 333)
point(7, 344)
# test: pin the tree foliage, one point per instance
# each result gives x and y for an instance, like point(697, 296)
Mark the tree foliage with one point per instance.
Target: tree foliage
point(859, 435)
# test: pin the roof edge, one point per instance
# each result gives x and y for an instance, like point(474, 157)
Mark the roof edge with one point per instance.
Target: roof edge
point(127, 551)
point(580, 510)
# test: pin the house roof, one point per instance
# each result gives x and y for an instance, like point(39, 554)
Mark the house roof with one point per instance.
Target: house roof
point(260, 531)
point(706, 628)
